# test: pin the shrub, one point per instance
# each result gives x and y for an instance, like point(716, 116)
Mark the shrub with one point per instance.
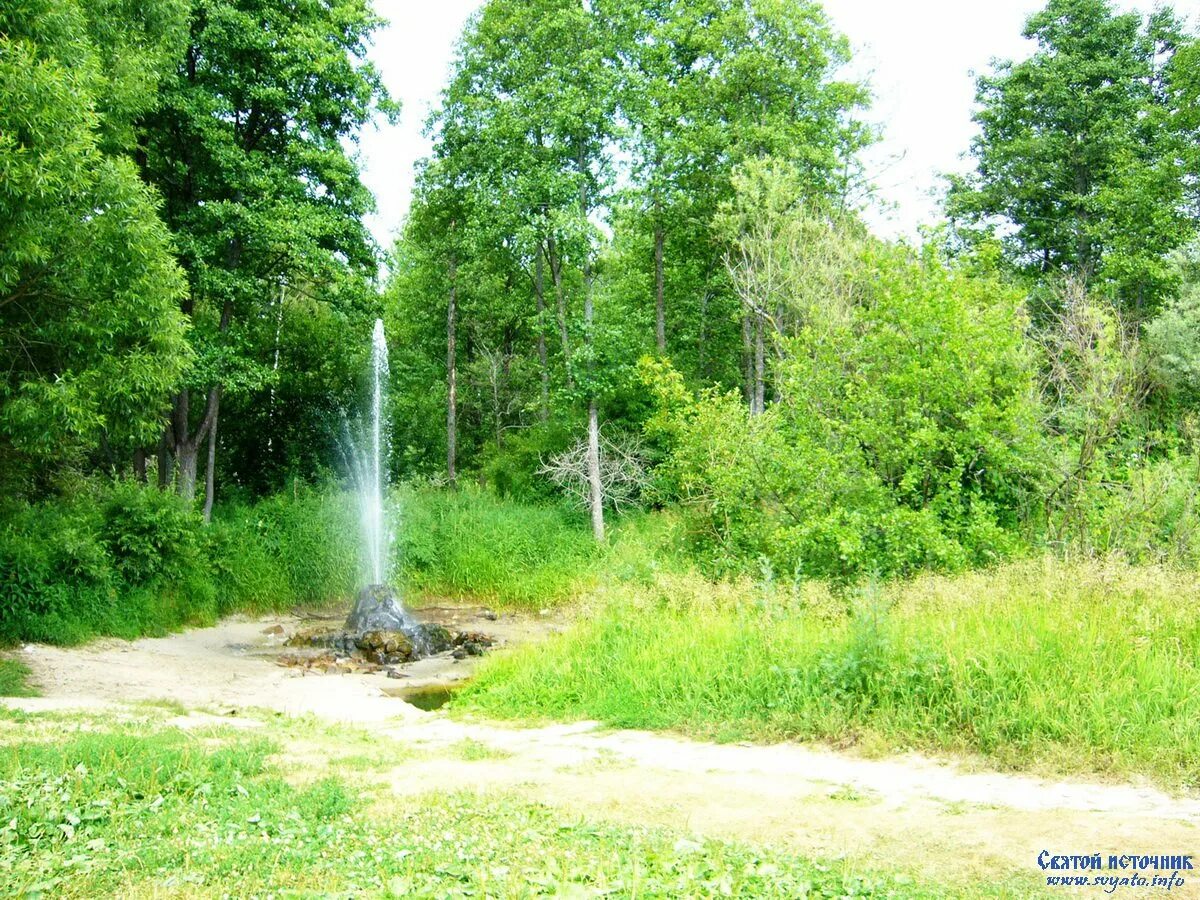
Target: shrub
point(512, 471)
point(906, 434)
point(128, 560)
point(56, 574)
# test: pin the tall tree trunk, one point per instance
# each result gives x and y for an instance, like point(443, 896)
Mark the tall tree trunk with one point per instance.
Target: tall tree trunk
point(778, 327)
point(187, 447)
point(139, 465)
point(165, 462)
point(275, 371)
point(539, 288)
point(660, 312)
point(452, 375)
point(185, 476)
point(747, 360)
point(595, 487)
point(561, 301)
point(760, 327)
point(179, 441)
point(211, 463)
point(1083, 240)
point(497, 412)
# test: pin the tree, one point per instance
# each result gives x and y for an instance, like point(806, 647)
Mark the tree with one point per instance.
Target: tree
point(525, 125)
point(1184, 78)
point(89, 325)
point(248, 145)
point(791, 260)
point(1081, 150)
point(548, 106)
point(1173, 336)
point(439, 223)
point(708, 86)
point(1094, 385)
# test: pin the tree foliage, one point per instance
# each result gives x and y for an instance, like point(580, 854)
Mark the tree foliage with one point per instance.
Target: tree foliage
point(1083, 150)
point(581, 152)
point(905, 433)
point(248, 144)
point(89, 287)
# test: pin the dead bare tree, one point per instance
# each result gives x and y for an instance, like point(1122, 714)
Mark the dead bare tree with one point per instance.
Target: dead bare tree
point(1095, 380)
point(489, 374)
point(623, 473)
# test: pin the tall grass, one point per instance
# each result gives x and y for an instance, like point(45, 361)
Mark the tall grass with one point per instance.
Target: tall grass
point(1067, 667)
point(291, 548)
point(471, 544)
point(14, 679)
point(127, 560)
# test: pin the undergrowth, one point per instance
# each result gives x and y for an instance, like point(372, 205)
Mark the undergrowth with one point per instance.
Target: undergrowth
point(126, 560)
point(471, 544)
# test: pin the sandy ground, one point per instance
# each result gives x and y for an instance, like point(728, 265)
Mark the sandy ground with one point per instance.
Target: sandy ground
point(931, 818)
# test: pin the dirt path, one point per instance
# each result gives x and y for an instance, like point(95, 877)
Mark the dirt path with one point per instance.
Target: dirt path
point(907, 813)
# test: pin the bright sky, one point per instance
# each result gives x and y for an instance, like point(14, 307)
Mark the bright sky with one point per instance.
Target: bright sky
point(918, 57)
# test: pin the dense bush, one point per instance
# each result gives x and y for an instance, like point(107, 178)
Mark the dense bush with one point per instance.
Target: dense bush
point(513, 469)
point(905, 434)
point(128, 560)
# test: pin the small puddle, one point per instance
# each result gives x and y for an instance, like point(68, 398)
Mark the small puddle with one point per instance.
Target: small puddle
point(428, 697)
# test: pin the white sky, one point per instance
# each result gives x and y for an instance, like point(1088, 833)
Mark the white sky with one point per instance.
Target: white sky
point(918, 56)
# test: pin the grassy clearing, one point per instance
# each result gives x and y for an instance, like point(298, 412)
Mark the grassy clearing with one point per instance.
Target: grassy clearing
point(1060, 667)
point(136, 811)
point(14, 679)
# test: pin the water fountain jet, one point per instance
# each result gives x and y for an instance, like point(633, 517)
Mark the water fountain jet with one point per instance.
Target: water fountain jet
point(379, 630)
point(378, 608)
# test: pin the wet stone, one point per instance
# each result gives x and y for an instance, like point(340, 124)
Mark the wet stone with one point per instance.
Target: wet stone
point(472, 643)
point(377, 608)
point(385, 647)
point(436, 638)
point(379, 635)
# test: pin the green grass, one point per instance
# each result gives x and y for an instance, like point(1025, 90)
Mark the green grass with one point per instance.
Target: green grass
point(132, 811)
point(1063, 668)
point(474, 545)
point(14, 679)
point(124, 560)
